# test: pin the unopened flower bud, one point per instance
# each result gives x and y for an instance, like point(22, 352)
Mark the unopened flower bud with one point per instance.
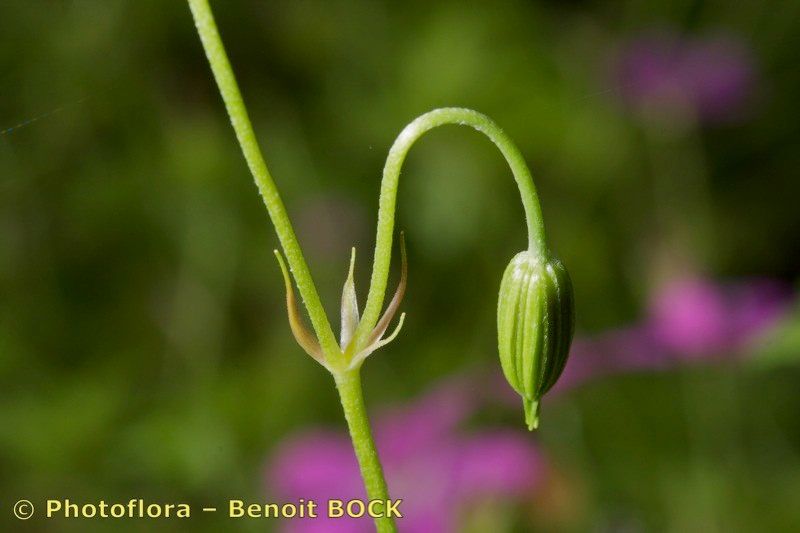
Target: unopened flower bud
point(535, 323)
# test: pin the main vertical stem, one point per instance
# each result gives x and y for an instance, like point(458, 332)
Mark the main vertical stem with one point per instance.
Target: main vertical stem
point(348, 382)
point(234, 104)
point(351, 395)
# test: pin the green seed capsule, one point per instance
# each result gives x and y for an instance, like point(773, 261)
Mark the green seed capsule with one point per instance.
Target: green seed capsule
point(535, 323)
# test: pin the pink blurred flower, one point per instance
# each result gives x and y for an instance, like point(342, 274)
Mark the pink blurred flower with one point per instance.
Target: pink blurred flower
point(693, 316)
point(689, 319)
point(434, 467)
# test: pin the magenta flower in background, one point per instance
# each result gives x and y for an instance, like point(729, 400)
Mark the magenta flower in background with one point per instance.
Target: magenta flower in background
point(434, 467)
point(714, 76)
point(440, 470)
point(688, 319)
point(693, 317)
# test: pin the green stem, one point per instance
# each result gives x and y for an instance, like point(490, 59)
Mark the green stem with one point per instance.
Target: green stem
point(349, 382)
point(226, 81)
point(349, 385)
point(388, 198)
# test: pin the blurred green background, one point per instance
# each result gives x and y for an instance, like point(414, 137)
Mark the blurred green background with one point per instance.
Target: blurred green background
point(144, 348)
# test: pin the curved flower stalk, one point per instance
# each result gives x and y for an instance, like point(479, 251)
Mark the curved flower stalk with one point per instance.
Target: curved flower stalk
point(535, 315)
point(534, 309)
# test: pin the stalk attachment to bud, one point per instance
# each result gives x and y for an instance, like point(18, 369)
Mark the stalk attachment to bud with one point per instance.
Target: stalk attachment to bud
point(535, 318)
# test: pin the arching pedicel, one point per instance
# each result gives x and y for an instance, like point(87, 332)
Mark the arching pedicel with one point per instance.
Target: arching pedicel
point(535, 304)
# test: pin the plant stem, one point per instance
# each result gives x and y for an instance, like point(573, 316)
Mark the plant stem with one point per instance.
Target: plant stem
point(388, 198)
point(349, 385)
point(226, 81)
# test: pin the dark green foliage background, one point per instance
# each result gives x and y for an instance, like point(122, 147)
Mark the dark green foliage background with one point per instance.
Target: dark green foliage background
point(144, 349)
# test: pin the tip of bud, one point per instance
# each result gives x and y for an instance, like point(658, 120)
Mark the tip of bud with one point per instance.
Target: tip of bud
point(531, 413)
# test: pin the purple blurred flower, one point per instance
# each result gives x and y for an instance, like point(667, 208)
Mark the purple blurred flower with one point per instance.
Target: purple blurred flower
point(693, 316)
point(436, 469)
point(689, 319)
point(440, 470)
point(712, 76)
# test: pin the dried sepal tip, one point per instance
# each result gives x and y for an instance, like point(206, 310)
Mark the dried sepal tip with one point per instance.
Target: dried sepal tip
point(302, 335)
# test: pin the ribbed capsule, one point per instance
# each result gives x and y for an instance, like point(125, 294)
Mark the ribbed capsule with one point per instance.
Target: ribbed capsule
point(535, 324)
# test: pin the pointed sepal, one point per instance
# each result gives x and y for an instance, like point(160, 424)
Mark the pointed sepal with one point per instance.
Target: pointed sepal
point(350, 316)
point(376, 339)
point(302, 335)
